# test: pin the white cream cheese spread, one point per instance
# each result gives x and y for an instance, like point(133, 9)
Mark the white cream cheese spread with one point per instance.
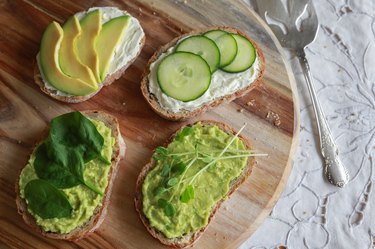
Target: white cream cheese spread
point(222, 84)
point(124, 52)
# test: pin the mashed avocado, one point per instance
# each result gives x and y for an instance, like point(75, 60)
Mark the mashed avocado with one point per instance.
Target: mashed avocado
point(209, 187)
point(83, 200)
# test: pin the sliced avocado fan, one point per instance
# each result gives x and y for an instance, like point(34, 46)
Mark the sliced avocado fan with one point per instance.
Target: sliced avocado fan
point(91, 25)
point(49, 62)
point(68, 60)
point(109, 37)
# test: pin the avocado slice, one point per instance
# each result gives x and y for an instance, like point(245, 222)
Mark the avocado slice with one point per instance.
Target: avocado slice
point(48, 59)
point(110, 35)
point(68, 60)
point(91, 25)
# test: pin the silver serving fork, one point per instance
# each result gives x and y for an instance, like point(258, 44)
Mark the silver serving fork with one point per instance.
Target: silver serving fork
point(295, 24)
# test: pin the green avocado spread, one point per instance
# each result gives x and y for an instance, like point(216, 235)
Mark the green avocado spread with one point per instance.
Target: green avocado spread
point(83, 200)
point(180, 217)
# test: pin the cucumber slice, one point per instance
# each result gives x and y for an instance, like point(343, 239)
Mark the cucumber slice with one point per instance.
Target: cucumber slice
point(184, 76)
point(245, 57)
point(204, 47)
point(214, 34)
point(226, 44)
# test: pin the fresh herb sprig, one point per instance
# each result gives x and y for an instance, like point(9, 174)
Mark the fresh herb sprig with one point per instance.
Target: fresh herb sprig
point(174, 173)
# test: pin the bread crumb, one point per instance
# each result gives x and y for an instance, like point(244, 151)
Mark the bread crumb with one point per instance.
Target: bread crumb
point(240, 110)
point(154, 13)
point(273, 117)
point(251, 102)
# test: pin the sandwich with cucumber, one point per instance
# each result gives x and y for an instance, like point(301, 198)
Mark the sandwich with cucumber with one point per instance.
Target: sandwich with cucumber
point(65, 188)
point(200, 70)
point(90, 50)
point(179, 191)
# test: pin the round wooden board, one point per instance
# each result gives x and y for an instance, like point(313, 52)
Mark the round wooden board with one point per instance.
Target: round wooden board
point(270, 111)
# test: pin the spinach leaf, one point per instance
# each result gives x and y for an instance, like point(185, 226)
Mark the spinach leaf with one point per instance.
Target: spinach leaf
point(46, 200)
point(58, 165)
point(64, 170)
point(73, 140)
point(188, 194)
point(76, 131)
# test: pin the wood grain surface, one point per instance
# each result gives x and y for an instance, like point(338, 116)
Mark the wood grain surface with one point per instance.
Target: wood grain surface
point(269, 111)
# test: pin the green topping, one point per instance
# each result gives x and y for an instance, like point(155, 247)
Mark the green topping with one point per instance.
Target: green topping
point(167, 206)
point(191, 175)
point(83, 200)
point(74, 130)
point(183, 75)
point(73, 141)
point(46, 200)
point(185, 132)
point(188, 194)
point(202, 46)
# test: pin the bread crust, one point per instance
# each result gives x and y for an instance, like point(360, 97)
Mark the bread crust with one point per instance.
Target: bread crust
point(189, 239)
point(183, 115)
point(100, 213)
point(109, 79)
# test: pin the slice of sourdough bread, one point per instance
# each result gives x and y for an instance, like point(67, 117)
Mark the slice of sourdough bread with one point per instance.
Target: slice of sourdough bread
point(109, 79)
point(189, 239)
point(99, 214)
point(185, 114)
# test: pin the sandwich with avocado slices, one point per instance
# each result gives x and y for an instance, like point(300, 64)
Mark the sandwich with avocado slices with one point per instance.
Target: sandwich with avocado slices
point(90, 50)
point(64, 189)
point(186, 181)
point(200, 70)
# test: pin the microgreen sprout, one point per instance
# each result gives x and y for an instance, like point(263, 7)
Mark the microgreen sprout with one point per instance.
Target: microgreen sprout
point(177, 164)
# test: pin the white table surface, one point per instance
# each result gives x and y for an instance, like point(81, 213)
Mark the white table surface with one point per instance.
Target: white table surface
point(312, 213)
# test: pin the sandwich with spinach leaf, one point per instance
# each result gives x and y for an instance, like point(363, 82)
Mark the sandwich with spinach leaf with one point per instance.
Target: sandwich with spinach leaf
point(64, 189)
point(181, 188)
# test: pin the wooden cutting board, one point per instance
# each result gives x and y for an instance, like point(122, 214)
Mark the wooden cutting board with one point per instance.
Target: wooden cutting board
point(270, 112)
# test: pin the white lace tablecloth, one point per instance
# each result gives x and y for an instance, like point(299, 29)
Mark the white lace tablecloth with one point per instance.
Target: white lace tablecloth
point(312, 213)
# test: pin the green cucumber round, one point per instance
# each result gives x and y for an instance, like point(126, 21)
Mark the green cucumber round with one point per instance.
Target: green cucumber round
point(245, 57)
point(227, 46)
point(184, 76)
point(214, 34)
point(204, 47)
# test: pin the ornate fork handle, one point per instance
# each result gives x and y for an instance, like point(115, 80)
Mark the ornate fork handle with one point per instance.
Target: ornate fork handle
point(334, 170)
